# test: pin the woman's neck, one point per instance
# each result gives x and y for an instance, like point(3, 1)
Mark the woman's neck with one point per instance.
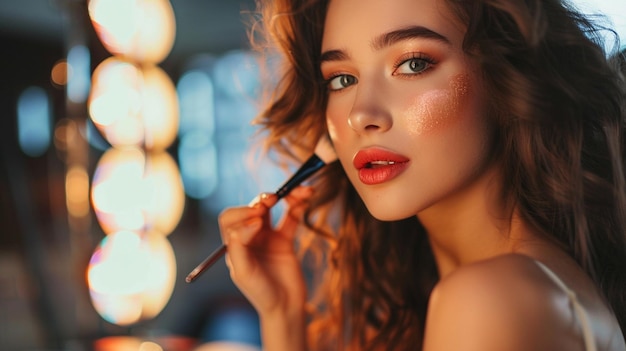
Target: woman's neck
point(475, 224)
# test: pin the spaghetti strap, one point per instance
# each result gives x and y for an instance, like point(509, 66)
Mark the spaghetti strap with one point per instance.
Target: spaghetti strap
point(579, 311)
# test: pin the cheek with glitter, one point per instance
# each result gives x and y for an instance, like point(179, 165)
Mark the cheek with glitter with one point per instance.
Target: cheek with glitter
point(436, 109)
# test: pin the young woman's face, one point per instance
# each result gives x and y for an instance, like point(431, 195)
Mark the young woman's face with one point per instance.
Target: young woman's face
point(404, 109)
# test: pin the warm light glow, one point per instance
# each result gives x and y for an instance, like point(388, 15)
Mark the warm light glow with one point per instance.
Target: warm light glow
point(165, 199)
point(117, 343)
point(133, 106)
point(131, 276)
point(131, 191)
point(77, 191)
point(150, 346)
point(65, 134)
point(117, 190)
point(159, 108)
point(226, 346)
point(142, 30)
point(159, 343)
point(59, 73)
point(115, 100)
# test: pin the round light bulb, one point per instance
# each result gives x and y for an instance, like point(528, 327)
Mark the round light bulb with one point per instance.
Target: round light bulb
point(132, 190)
point(131, 276)
point(141, 30)
point(134, 106)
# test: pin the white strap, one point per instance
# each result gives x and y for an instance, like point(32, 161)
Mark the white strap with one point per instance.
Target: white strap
point(579, 311)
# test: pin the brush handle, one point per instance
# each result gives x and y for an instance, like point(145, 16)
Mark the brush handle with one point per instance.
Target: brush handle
point(207, 263)
point(312, 165)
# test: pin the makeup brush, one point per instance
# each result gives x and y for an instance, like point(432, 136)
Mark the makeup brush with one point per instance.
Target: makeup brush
point(323, 155)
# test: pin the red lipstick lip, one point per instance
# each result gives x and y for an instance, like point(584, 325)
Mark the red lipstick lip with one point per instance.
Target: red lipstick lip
point(377, 165)
point(366, 157)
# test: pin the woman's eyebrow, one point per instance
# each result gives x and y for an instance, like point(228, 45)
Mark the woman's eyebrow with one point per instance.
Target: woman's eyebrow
point(387, 39)
point(333, 55)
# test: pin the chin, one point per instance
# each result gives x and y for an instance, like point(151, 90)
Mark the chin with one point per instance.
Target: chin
point(387, 206)
point(384, 212)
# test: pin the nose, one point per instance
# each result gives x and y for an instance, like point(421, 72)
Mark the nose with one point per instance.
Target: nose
point(369, 113)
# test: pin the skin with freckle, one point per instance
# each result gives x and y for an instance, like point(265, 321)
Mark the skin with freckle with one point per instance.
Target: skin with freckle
point(435, 109)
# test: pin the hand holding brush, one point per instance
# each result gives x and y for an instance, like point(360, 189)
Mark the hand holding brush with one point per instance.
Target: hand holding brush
point(323, 155)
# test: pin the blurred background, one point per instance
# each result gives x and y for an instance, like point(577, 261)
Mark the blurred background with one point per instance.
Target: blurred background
point(125, 131)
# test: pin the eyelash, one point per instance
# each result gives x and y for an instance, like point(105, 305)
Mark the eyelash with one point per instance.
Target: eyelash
point(332, 77)
point(412, 57)
point(429, 61)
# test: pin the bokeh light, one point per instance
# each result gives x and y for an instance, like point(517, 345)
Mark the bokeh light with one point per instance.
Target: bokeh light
point(131, 276)
point(34, 121)
point(133, 191)
point(77, 191)
point(197, 102)
point(237, 74)
point(59, 73)
point(198, 164)
point(133, 106)
point(197, 151)
point(133, 343)
point(141, 30)
point(78, 73)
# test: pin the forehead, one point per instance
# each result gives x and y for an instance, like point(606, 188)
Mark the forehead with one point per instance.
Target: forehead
point(357, 20)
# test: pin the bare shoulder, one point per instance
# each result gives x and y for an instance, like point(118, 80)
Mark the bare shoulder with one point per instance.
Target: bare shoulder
point(504, 303)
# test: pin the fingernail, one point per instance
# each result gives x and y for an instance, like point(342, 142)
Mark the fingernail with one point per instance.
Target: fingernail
point(258, 199)
point(255, 201)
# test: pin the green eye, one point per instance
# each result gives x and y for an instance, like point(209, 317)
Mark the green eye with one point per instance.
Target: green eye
point(413, 66)
point(341, 82)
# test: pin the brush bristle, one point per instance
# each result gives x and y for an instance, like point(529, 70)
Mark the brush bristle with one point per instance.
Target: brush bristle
point(325, 151)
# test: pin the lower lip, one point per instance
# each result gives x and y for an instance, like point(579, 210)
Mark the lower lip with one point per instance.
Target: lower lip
point(381, 174)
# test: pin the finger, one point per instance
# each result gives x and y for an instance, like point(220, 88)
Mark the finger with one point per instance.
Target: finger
point(232, 218)
point(266, 199)
point(268, 202)
point(243, 232)
point(229, 264)
point(241, 261)
point(297, 204)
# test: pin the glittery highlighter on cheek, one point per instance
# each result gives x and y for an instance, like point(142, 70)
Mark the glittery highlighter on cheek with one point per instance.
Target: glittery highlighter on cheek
point(436, 109)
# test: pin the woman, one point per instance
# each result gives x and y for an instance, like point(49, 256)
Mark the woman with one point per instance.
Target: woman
point(478, 202)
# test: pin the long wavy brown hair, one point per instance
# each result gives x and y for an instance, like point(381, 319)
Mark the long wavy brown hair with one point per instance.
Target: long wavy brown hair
point(558, 100)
